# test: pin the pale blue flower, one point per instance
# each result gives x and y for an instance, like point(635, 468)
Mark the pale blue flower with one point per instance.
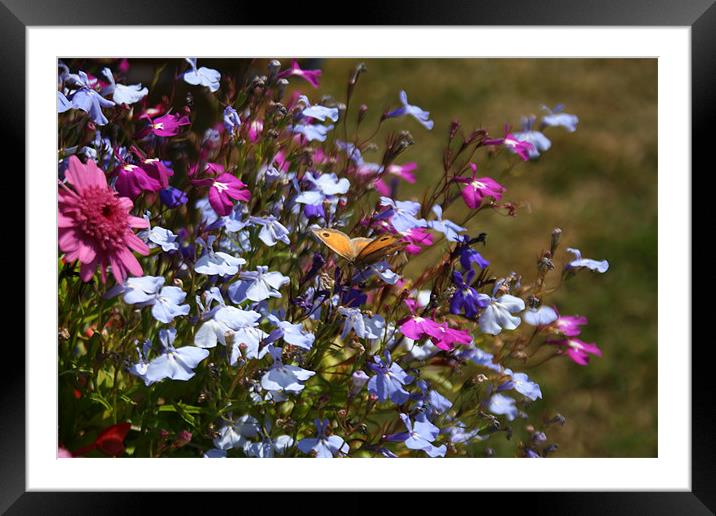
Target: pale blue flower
point(522, 384)
point(235, 434)
point(232, 121)
point(556, 118)
point(90, 101)
point(166, 303)
point(317, 111)
point(293, 334)
point(313, 131)
point(202, 76)
point(214, 453)
point(402, 214)
point(420, 435)
point(587, 263)
point(380, 269)
point(503, 406)
point(217, 263)
point(541, 316)
point(540, 143)
point(226, 321)
point(139, 369)
point(174, 363)
point(164, 238)
point(272, 231)
point(323, 446)
point(446, 227)
point(268, 447)
point(257, 285)
point(389, 380)
point(416, 112)
point(284, 378)
point(62, 103)
point(123, 94)
point(359, 323)
point(496, 316)
point(459, 434)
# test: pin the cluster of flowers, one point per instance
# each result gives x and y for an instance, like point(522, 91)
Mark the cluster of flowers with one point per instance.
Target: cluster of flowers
point(195, 301)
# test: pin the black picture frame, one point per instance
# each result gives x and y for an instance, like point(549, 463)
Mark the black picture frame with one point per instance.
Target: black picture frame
point(16, 15)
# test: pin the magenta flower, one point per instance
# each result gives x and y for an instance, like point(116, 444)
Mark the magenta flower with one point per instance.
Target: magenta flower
point(255, 129)
point(212, 169)
point(94, 224)
point(477, 188)
point(415, 327)
point(167, 125)
point(569, 325)
point(417, 238)
point(133, 180)
point(157, 170)
point(311, 76)
point(447, 337)
point(521, 148)
point(224, 190)
point(577, 350)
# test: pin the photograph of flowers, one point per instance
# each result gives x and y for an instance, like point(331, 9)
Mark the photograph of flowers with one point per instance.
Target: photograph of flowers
point(341, 257)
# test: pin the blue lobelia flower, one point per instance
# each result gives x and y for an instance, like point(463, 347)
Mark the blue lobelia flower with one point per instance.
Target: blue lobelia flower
point(497, 315)
point(235, 328)
point(323, 446)
point(202, 76)
point(317, 111)
point(89, 100)
point(389, 380)
point(430, 400)
point(235, 434)
point(468, 256)
point(555, 117)
point(272, 231)
point(313, 131)
point(172, 197)
point(257, 285)
point(164, 238)
point(407, 109)
point(541, 316)
point(482, 358)
point(62, 103)
point(122, 94)
point(522, 384)
point(232, 121)
point(420, 435)
point(284, 378)
point(502, 406)
point(466, 299)
point(446, 227)
point(217, 263)
point(402, 214)
point(380, 269)
point(458, 433)
point(293, 334)
point(267, 447)
point(214, 453)
point(174, 363)
point(586, 263)
point(148, 291)
point(356, 321)
point(139, 369)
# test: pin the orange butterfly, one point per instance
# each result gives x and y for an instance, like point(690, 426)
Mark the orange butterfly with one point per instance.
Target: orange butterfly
point(359, 250)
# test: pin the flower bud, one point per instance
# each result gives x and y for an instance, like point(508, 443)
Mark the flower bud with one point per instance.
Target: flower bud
point(273, 67)
point(362, 110)
point(281, 85)
point(556, 234)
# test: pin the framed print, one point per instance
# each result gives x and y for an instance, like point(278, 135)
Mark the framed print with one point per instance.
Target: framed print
point(432, 244)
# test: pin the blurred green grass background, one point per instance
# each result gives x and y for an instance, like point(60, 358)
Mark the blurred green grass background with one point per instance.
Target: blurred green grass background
point(598, 184)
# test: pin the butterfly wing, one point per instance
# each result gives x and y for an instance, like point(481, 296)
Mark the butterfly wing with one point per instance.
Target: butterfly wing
point(337, 241)
point(378, 248)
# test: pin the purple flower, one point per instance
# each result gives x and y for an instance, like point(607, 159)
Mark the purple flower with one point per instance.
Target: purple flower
point(133, 180)
point(232, 122)
point(407, 109)
point(202, 76)
point(173, 197)
point(556, 118)
point(324, 446)
point(389, 380)
point(586, 263)
point(420, 436)
point(466, 299)
point(468, 256)
point(177, 364)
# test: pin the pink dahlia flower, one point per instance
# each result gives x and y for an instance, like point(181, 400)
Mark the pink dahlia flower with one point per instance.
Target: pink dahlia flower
point(94, 224)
